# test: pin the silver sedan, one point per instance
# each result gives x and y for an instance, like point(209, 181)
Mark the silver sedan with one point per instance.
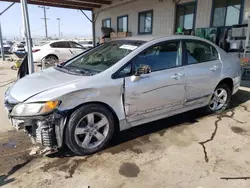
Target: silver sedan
point(121, 84)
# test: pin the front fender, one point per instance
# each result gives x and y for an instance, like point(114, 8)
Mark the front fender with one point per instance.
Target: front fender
point(72, 95)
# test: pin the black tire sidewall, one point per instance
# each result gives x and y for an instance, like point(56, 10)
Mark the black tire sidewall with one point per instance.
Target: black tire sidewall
point(227, 104)
point(76, 117)
point(53, 56)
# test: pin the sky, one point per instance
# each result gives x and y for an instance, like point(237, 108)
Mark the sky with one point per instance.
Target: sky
point(73, 22)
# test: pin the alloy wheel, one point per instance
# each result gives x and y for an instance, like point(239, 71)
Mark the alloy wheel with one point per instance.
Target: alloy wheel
point(219, 99)
point(91, 130)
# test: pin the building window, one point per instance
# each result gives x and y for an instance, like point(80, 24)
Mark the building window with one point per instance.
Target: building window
point(185, 15)
point(106, 23)
point(122, 23)
point(226, 12)
point(145, 22)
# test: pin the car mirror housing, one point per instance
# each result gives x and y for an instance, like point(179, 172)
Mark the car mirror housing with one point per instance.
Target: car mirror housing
point(143, 69)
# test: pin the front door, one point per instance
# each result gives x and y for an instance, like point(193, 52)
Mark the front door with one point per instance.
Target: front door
point(163, 89)
point(203, 71)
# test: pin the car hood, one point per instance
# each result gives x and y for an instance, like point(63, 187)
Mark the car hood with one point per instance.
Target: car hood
point(39, 82)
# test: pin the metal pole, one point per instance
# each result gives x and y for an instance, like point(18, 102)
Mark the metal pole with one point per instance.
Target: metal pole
point(59, 27)
point(7, 8)
point(27, 34)
point(45, 21)
point(93, 29)
point(1, 41)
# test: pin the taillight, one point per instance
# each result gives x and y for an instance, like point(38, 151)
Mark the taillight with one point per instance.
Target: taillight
point(36, 50)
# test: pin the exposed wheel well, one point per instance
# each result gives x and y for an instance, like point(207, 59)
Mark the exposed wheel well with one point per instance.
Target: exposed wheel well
point(117, 125)
point(51, 55)
point(228, 82)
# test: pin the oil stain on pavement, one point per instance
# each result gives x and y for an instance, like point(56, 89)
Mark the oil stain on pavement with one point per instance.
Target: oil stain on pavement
point(14, 154)
point(238, 130)
point(129, 170)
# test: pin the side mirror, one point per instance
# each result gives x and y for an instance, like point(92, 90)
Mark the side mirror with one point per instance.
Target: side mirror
point(143, 69)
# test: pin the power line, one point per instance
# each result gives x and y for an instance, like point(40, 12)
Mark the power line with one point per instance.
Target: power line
point(45, 19)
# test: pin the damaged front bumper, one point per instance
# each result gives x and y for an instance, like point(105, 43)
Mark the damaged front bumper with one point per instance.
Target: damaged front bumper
point(46, 130)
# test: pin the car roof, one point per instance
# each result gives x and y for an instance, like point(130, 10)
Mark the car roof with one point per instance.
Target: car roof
point(147, 38)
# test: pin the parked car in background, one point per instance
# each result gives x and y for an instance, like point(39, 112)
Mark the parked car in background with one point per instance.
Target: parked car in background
point(6, 47)
point(122, 84)
point(87, 44)
point(58, 51)
point(18, 47)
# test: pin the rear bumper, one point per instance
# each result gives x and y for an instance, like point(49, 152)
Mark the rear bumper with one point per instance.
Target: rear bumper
point(37, 57)
point(236, 86)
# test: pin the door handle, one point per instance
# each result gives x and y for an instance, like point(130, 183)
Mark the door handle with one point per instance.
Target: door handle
point(214, 68)
point(177, 76)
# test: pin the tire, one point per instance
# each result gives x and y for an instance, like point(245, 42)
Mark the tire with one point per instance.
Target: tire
point(51, 60)
point(221, 106)
point(82, 135)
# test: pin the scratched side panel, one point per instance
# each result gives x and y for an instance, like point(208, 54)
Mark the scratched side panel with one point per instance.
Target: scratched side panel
point(152, 93)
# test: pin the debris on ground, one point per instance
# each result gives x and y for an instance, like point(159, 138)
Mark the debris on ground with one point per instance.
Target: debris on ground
point(34, 150)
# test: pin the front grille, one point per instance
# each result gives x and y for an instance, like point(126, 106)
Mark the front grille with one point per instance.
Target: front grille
point(45, 136)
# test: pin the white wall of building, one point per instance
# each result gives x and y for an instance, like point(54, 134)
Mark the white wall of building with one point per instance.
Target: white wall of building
point(203, 13)
point(164, 12)
point(163, 15)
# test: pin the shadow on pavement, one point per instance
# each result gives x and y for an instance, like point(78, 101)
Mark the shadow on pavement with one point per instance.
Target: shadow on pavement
point(4, 178)
point(245, 83)
point(161, 126)
point(240, 97)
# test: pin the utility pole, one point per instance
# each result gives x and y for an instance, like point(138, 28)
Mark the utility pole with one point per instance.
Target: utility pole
point(1, 45)
point(1, 36)
point(59, 27)
point(45, 19)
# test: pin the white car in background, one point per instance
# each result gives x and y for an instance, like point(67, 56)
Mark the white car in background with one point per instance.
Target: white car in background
point(87, 44)
point(18, 47)
point(58, 51)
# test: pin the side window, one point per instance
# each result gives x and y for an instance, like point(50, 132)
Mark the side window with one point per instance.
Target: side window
point(60, 45)
point(54, 45)
point(162, 56)
point(75, 45)
point(63, 45)
point(198, 52)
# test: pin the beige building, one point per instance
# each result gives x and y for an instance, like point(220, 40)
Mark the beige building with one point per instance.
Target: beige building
point(163, 17)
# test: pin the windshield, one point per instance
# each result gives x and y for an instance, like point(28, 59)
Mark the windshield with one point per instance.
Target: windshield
point(102, 57)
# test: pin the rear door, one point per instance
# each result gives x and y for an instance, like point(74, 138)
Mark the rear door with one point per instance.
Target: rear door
point(75, 48)
point(62, 50)
point(203, 70)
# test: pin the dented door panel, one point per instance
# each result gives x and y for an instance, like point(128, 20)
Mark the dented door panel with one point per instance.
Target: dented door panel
point(153, 93)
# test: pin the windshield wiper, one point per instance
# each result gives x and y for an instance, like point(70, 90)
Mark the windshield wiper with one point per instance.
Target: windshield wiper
point(76, 70)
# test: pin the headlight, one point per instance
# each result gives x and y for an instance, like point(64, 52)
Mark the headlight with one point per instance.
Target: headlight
point(34, 108)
